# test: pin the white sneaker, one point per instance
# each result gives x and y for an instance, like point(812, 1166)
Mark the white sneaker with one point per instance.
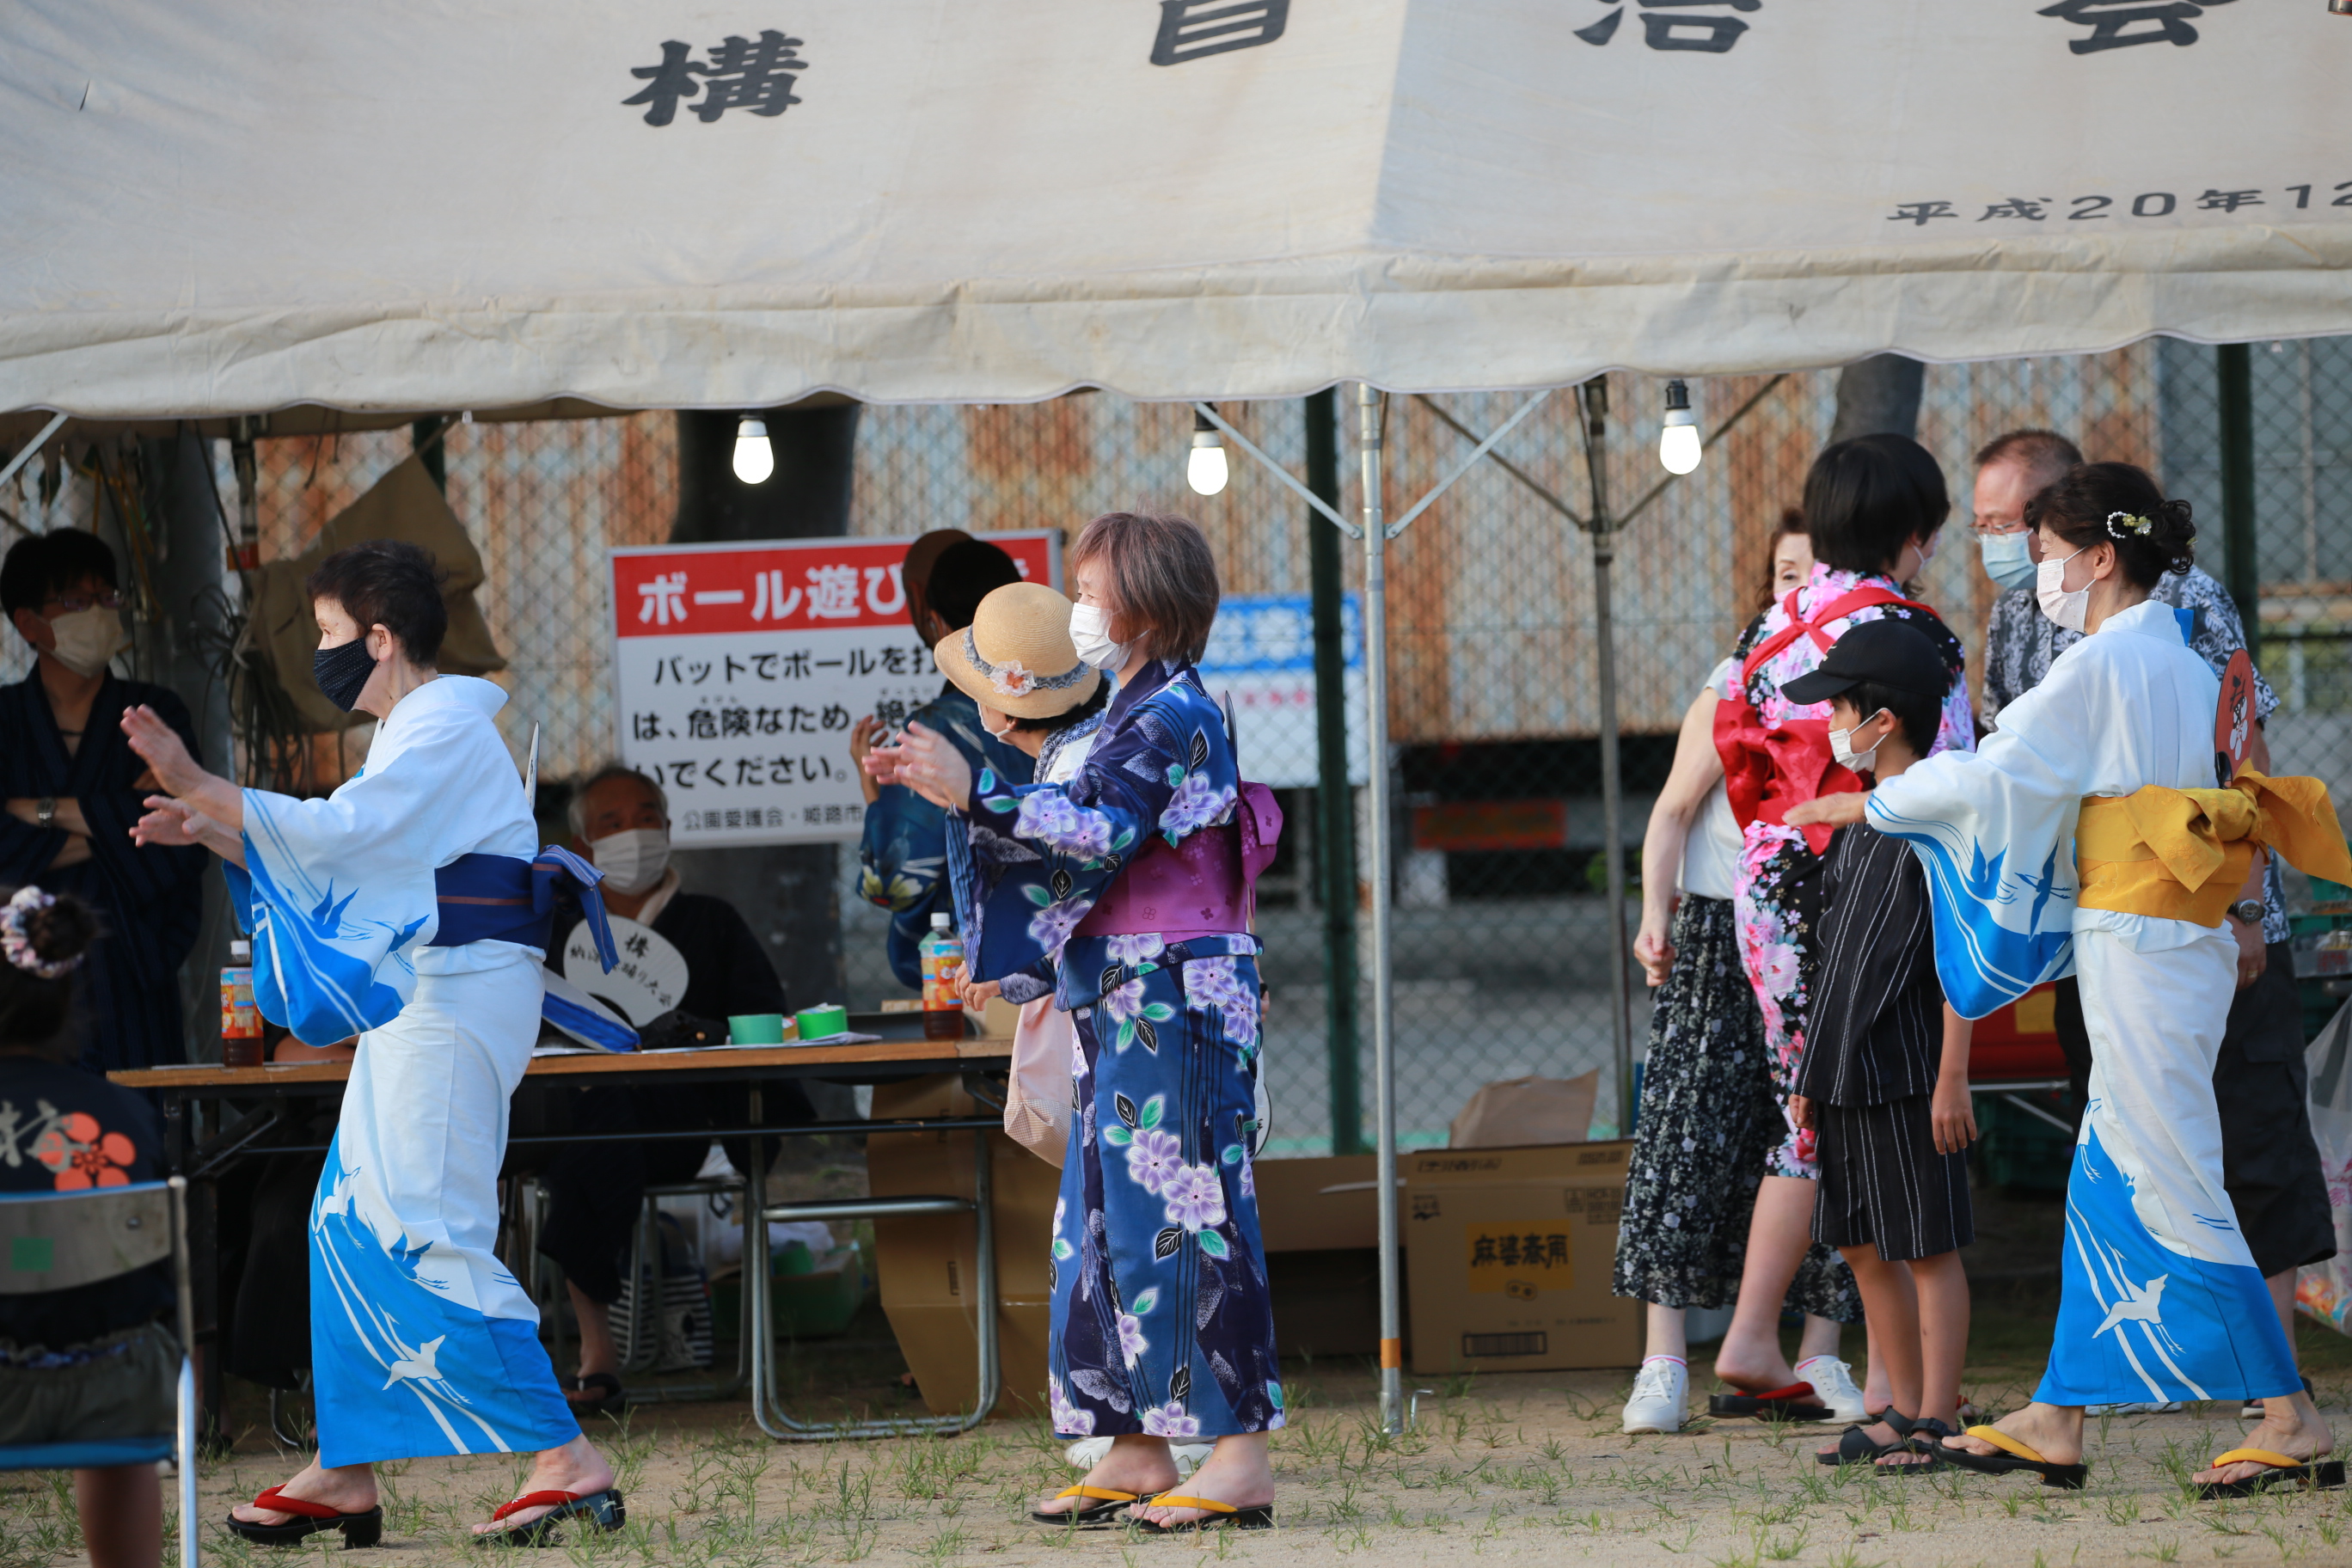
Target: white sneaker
point(1661, 1401)
point(1832, 1383)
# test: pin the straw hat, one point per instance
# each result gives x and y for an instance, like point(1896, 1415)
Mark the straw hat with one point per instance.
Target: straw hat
point(1016, 657)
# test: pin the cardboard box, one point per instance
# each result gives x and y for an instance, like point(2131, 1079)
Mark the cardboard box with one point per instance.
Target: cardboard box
point(1509, 1254)
point(1320, 1219)
point(927, 1263)
point(1316, 1205)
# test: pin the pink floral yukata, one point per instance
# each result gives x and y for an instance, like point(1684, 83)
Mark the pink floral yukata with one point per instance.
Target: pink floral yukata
point(1776, 867)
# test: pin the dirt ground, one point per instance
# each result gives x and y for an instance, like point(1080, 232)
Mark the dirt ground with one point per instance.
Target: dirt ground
point(1520, 1467)
point(1510, 1468)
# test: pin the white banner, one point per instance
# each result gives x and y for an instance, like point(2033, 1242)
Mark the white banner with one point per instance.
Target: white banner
point(232, 206)
point(737, 670)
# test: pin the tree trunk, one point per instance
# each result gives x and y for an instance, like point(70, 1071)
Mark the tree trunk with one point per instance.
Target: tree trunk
point(1878, 395)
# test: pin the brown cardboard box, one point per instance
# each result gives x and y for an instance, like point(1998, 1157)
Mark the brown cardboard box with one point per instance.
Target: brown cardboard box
point(927, 1263)
point(1320, 1219)
point(1509, 1254)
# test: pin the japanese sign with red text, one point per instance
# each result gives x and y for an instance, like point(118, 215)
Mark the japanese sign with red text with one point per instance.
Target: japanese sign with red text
point(739, 669)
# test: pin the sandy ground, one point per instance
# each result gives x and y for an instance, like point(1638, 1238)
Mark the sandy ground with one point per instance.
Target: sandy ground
point(1516, 1468)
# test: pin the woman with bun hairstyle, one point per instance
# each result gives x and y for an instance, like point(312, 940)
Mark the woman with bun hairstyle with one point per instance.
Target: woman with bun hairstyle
point(2098, 830)
point(1134, 875)
point(1872, 507)
point(100, 1360)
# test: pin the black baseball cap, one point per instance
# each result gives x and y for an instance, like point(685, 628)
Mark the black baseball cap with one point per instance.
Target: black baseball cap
point(1886, 652)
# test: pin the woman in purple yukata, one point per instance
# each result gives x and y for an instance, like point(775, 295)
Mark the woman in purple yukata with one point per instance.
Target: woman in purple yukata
point(1134, 878)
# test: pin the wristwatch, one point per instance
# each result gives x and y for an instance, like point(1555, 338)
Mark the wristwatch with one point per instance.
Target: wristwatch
point(45, 811)
point(2248, 910)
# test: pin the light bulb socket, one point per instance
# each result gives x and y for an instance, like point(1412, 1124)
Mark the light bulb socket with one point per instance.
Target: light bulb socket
point(1677, 397)
point(1208, 437)
point(750, 427)
point(1201, 425)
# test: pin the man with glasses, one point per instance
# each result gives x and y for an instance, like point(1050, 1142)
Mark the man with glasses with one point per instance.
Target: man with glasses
point(73, 787)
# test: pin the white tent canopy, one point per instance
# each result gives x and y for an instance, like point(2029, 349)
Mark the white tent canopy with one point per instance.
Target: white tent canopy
point(219, 207)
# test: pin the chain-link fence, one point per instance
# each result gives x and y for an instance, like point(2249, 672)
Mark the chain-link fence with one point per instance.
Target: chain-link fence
point(1501, 947)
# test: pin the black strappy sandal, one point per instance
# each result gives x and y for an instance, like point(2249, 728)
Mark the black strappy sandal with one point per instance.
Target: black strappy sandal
point(1855, 1446)
point(1924, 1436)
point(611, 1400)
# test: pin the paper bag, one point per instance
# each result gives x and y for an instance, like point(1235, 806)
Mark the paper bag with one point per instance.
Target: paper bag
point(1523, 1111)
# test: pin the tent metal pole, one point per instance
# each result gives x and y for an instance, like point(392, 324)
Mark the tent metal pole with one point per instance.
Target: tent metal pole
point(1369, 410)
point(1603, 528)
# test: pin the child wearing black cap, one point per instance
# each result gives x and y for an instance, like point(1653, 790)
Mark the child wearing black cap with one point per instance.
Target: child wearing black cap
point(1884, 1083)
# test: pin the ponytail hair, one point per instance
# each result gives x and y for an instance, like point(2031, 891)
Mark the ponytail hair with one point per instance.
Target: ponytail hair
point(2118, 504)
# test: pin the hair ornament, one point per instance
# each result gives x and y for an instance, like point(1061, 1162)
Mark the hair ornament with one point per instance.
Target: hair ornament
point(2123, 524)
point(18, 946)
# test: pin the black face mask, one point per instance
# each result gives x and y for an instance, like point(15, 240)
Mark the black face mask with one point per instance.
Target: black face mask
point(341, 672)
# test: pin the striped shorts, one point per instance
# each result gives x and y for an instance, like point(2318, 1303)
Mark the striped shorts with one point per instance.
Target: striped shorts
point(1883, 1185)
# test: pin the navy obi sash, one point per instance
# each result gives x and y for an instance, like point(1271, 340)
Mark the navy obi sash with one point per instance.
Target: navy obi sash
point(502, 897)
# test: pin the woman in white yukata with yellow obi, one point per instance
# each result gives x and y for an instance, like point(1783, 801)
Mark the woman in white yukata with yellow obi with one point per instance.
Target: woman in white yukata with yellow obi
point(2091, 821)
point(410, 908)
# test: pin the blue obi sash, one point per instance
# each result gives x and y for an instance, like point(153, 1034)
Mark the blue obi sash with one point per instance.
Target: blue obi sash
point(500, 898)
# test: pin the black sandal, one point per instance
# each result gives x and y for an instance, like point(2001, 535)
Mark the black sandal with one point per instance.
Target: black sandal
point(603, 1510)
point(1097, 1507)
point(611, 1400)
point(362, 1529)
point(1856, 1447)
point(1924, 1436)
point(1798, 1402)
point(1221, 1516)
point(2013, 1457)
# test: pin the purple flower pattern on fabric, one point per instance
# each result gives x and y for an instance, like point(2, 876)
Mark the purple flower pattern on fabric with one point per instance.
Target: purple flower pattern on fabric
point(1171, 1420)
point(1154, 1159)
point(1199, 802)
point(1196, 1198)
point(1069, 1420)
point(1134, 949)
point(1131, 1342)
point(1212, 982)
point(1049, 818)
point(1124, 1002)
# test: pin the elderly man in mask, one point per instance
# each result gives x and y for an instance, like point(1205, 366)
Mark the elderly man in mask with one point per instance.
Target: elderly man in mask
point(690, 962)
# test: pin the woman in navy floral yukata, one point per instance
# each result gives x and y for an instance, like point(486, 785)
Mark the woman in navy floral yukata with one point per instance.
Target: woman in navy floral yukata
point(1134, 878)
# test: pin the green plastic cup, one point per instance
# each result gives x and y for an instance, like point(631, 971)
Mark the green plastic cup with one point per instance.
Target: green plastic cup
point(755, 1028)
point(819, 1023)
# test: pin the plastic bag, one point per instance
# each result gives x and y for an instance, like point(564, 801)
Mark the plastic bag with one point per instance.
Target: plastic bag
point(2323, 1291)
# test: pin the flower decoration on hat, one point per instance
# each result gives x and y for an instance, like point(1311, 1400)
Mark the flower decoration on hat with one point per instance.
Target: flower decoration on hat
point(2122, 524)
point(1012, 679)
point(17, 943)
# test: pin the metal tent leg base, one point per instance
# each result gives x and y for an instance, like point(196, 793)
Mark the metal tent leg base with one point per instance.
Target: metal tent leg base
point(760, 1332)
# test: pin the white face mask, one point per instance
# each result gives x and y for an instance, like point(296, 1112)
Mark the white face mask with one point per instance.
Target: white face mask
point(1090, 631)
point(994, 733)
point(2069, 609)
point(1841, 748)
point(87, 639)
point(2007, 560)
point(633, 861)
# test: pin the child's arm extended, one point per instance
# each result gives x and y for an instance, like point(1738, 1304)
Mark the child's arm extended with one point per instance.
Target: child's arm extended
point(1952, 1111)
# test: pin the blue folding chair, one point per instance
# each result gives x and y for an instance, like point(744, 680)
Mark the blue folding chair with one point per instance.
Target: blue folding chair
point(61, 1241)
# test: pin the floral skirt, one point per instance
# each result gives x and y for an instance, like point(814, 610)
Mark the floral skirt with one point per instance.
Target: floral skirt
point(1776, 904)
point(1709, 1124)
point(1162, 1322)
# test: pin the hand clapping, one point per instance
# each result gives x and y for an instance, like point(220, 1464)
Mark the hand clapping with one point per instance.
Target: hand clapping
point(925, 761)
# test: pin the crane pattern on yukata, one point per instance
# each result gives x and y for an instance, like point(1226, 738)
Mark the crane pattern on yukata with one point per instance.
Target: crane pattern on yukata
point(1769, 884)
point(1162, 1320)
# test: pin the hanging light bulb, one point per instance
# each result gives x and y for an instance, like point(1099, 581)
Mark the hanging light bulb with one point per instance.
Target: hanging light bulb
point(1678, 446)
point(1204, 470)
point(754, 458)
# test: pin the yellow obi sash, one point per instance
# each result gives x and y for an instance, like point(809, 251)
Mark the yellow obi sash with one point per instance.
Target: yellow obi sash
point(2183, 854)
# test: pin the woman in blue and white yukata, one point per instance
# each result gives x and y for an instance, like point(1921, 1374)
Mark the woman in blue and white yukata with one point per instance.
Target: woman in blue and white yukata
point(2089, 833)
point(1134, 876)
point(409, 909)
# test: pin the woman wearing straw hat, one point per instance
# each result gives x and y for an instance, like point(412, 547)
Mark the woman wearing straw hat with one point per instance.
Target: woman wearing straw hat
point(1136, 876)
